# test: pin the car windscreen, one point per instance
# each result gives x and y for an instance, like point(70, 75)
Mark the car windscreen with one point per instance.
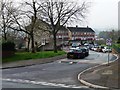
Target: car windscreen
point(75, 44)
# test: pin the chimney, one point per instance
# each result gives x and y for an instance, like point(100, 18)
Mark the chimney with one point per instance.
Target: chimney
point(76, 26)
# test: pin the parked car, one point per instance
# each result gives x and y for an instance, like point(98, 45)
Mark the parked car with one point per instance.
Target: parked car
point(91, 46)
point(85, 50)
point(95, 48)
point(99, 49)
point(106, 49)
point(86, 45)
point(74, 45)
point(75, 53)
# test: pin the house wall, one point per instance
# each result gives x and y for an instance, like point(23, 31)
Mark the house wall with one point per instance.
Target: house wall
point(82, 36)
point(67, 35)
point(41, 34)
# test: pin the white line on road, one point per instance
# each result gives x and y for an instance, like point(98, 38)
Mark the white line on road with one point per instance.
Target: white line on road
point(43, 83)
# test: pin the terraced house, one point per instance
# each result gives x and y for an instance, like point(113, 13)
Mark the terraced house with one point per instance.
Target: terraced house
point(64, 36)
point(77, 34)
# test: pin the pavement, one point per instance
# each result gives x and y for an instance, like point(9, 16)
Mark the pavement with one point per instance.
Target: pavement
point(103, 77)
point(31, 62)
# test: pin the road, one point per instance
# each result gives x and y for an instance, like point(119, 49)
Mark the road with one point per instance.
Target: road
point(59, 74)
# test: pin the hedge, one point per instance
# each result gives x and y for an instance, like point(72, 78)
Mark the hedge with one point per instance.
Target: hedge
point(8, 46)
point(8, 49)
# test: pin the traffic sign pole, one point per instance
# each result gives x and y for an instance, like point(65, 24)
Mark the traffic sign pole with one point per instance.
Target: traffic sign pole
point(108, 57)
point(108, 42)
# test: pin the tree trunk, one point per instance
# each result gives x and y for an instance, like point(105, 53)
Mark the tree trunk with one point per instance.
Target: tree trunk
point(28, 44)
point(5, 34)
point(55, 45)
point(32, 43)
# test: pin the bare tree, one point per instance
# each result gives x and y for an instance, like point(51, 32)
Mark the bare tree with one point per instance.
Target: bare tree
point(6, 18)
point(56, 13)
point(25, 17)
point(59, 13)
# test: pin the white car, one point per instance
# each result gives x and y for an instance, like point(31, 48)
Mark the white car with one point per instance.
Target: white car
point(106, 49)
point(94, 48)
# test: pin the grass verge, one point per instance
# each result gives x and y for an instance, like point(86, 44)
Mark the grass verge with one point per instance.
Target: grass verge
point(116, 47)
point(27, 56)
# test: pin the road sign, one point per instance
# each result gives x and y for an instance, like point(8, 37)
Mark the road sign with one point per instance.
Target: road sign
point(109, 42)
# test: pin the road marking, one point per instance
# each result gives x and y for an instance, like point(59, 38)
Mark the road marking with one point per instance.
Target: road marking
point(43, 83)
point(81, 62)
point(107, 72)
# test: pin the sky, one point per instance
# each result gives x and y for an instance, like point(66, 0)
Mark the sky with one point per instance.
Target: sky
point(103, 15)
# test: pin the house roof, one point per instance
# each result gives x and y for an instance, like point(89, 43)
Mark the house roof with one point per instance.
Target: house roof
point(80, 29)
point(63, 28)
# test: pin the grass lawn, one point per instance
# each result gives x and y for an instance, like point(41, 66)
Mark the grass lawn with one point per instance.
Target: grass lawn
point(27, 55)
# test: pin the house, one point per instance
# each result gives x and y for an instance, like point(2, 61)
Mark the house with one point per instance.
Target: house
point(62, 35)
point(43, 38)
point(41, 34)
point(84, 34)
point(76, 34)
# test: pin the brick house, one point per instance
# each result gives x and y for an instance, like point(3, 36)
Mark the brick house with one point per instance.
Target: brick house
point(64, 35)
point(83, 34)
point(76, 34)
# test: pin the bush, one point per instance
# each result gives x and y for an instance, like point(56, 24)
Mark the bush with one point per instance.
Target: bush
point(8, 46)
point(116, 47)
point(118, 40)
point(8, 49)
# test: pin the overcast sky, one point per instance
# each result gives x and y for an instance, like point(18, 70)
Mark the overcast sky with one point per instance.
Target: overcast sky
point(103, 14)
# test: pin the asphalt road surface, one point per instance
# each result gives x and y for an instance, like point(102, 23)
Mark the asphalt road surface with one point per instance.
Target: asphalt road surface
point(59, 74)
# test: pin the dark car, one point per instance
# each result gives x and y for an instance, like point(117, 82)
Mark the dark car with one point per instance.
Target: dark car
point(75, 53)
point(85, 50)
point(74, 45)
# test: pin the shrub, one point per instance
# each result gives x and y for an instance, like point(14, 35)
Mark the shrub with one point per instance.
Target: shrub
point(118, 40)
point(116, 47)
point(8, 49)
point(8, 46)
